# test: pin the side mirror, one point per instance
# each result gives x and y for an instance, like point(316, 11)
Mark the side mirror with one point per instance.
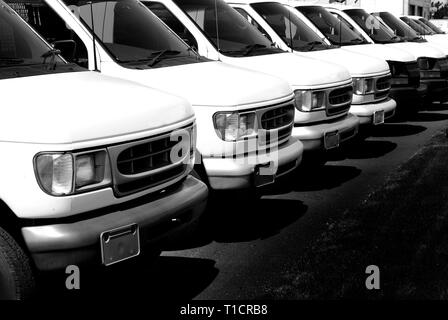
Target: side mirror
point(67, 48)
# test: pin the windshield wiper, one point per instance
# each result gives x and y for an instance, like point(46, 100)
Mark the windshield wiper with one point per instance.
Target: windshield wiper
point(357, 40)
point(251, 47)
point(312, 44)
point(51, 53)
point(157, 56)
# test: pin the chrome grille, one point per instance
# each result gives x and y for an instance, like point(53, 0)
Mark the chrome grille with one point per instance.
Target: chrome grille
point(146, 156)
point(277, 118)
point(278, 123)
point(150, 162)
point(383, 83)
point(339, 100)
point(382, 87)
point(413, 71)
point(443, 66)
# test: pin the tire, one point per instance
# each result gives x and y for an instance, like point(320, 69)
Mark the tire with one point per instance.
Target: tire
point(16, 276)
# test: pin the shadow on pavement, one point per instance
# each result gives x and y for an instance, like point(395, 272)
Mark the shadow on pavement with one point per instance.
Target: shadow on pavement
point(233, 220)
point(430, 116)
point(326, 177)
point(369, 149)
point(437, 107)
point(396, 130)
point(165, 278)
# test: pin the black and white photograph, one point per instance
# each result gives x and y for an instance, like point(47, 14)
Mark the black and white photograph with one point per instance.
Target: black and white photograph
point(224, 159)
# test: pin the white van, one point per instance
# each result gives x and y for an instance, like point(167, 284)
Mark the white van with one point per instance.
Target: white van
point(430, 32)
point(433, 63)
point(441, 24)
point(371, 76)
point(406, 33)
point(406, 88)
point(323, 91)
point(86, 166)
point(244, 118)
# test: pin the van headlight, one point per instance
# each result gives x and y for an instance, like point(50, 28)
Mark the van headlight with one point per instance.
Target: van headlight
point(307, 101)
point(423, 63)
point(363, 86)
point(60, 174)
point(233, 126)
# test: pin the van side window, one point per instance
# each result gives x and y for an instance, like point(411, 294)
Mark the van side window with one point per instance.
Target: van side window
point(171, 21)
point(50, 26)
point(253, 22)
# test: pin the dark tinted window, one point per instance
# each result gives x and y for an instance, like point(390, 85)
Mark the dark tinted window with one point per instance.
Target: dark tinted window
point(253, 22)
point(171, 21)
point(45, 21)
point(432, 26)
point(229, 32)
point(289, 26)
point(372, 26)
point(334, 29)
point(400, 28)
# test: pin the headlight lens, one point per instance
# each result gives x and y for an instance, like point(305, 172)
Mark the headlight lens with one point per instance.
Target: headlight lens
point(55, 172)
point(232, 126)
point(67, 173)
point(363, 86)
point(423, 63)
point(399, 73)
point(307, 101)
point(429, 68)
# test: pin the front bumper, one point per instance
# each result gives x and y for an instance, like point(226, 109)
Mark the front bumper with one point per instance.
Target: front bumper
point(312, 135)
point(437, 89)
point(240, 173)
point(365, 112)
point(57, 245)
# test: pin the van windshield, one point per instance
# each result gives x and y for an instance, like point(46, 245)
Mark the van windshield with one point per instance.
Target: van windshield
point(226, 29)
point(288, 26)
point(372, 26)
point(400, 28)
point(20, 46)
point(334, 29)
point(432, 26)
point(131, 32)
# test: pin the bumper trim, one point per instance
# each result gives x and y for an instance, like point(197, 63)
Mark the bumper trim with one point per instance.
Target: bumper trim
point(312, 136)
point(239, 173)
point(71, 236)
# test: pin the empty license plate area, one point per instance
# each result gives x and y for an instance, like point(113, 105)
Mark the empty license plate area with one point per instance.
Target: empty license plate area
point(120, 244)
point(378, 117)
point(331, 140)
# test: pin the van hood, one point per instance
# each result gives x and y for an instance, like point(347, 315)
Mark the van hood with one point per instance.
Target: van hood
point(441, 46)
point(212, 83)
point(300, 72)
point(418, 49)
point(382, 52)
point(83, 106)
point(438, 42)
point(359, 65)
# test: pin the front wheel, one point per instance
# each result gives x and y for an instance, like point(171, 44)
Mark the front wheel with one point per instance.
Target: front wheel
point(16, 276)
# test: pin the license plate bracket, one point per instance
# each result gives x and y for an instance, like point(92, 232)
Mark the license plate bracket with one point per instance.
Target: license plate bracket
point(378, 117)
point(331, 140)
point(263, 176)
point(120, 244)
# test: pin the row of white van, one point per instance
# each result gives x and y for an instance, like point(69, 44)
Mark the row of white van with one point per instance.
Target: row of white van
point(120, 115)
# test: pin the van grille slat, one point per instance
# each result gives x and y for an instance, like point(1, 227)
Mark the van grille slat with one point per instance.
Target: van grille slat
point(277, 118)
point(339, 100)
point(147, 163)
point(145, 157)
